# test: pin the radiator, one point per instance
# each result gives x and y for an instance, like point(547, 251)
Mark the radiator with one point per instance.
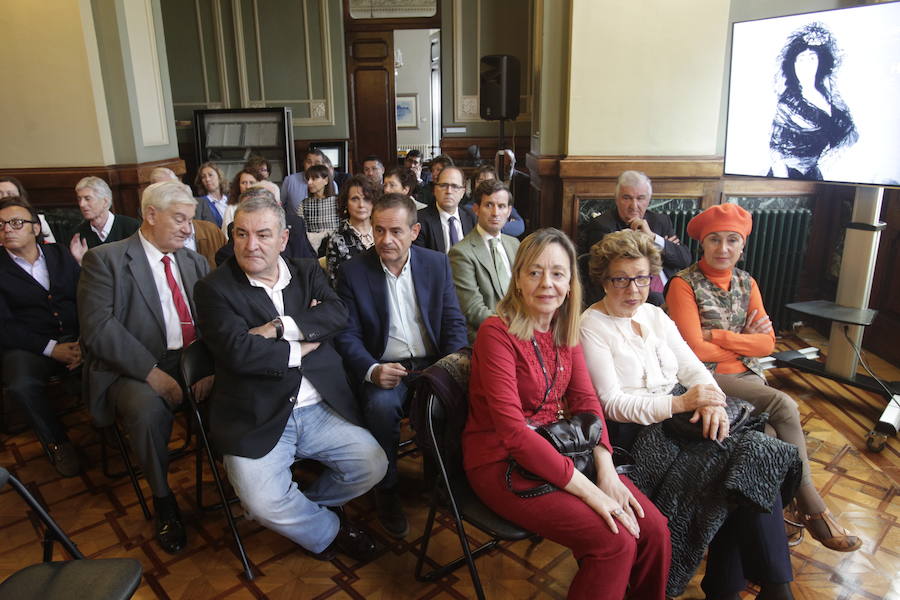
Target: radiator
point(774, 254)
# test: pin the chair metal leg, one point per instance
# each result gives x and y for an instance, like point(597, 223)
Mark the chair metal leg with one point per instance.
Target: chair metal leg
point(224, 502)
point(126, 458)
point(468, 555)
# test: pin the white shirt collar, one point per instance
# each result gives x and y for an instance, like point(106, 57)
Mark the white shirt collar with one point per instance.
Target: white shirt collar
point(284, 278)
point(154, 254)
point(21, 261)
point(445, 215)
point(403, 271)
point(107, 227)
point(487, 237)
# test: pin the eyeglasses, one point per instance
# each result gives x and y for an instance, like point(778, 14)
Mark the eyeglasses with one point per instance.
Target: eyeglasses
point(16, 223)
point(449, 186)
point(624, 282)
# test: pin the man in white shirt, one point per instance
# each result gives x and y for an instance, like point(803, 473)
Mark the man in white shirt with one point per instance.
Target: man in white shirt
point(443, 223)
point(483, 260)
point(404, 315)
point(280, 392)
point(135, 307)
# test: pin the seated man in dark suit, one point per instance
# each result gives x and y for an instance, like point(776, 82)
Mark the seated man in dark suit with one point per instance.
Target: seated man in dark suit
point(280, 392)
point(404, 315)
point(425, 194)
point(135, 306)
point(413, 162)
point(443, 223)
point(100, 225)
point(633, 193)
point(39, 322)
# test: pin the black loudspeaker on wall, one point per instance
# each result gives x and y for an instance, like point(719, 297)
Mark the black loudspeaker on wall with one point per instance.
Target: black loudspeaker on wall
point(499, 87)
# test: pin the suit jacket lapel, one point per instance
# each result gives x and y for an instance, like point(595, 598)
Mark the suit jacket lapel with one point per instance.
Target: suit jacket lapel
point(421, 283)
point(378, 290)
point(144, 281)
point(438, 229)
point(487, 261)
point(255, 296)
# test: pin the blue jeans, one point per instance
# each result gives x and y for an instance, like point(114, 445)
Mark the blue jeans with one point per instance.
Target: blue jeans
point(354, 464)
point(383, 410)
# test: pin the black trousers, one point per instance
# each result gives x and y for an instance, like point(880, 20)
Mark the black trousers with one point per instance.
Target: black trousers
point(749, 545)
point(147, 418)
point(25, 377)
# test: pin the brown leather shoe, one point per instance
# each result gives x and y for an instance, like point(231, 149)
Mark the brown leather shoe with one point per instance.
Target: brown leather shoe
point(840, 539)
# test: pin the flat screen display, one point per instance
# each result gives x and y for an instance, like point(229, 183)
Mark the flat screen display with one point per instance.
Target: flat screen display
point(817, 97)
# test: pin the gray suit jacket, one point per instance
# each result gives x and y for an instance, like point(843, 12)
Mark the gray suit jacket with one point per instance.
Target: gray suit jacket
point(477, 286)
point(122, 328)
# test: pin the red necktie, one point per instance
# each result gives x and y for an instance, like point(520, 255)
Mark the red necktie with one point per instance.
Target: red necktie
point(656, 284)
point(188, 333)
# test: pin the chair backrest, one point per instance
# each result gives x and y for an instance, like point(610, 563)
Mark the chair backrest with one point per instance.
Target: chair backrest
point(196, 363)
point(54, 532)
point(440, 408)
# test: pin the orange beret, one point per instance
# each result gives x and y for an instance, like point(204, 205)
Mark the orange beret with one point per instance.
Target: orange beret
point(721, 217)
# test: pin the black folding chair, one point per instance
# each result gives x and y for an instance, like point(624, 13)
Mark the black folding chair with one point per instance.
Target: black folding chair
point(197, 363)
point(101, 579)
point(440, 407)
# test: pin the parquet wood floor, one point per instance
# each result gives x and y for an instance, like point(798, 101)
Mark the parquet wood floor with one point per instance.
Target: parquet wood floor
point(104, 519)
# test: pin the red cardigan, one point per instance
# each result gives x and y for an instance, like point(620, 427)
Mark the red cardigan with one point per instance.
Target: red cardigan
point(507, 377)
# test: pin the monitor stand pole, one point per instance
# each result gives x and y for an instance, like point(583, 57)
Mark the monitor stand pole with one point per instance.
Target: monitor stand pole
point(850, 314)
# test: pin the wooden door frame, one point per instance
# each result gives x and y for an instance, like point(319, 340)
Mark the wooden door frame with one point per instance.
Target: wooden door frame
point(356, 26)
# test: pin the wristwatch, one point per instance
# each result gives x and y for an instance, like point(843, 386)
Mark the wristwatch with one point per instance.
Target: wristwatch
point(279, 328)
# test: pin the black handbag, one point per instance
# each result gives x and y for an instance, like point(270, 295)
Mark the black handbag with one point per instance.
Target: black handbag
point(679, 426)
point(574, 438)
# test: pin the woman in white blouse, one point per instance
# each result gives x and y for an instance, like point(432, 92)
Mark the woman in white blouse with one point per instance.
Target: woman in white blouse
point(634, 352)
point(636, 359)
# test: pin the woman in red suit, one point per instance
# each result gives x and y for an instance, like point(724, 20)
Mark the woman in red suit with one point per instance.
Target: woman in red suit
point(527, 370)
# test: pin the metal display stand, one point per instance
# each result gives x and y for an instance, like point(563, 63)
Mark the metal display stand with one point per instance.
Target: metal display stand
point(849, 314)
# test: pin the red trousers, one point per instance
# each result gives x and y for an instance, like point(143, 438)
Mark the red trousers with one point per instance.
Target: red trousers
point(607, 563)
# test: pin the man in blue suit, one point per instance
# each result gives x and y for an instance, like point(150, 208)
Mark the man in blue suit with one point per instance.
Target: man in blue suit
point(404, 315)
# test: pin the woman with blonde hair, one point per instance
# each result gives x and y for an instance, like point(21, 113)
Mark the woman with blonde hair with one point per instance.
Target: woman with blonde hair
point(528, 371)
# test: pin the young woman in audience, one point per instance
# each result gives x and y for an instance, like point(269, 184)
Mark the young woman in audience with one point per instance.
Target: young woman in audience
point(643, 373)
point(211, 188)
point(320, 208)
point(354, 235)
point(242, 182)
point(401, 180)
point(719, 312)
point(527, 368)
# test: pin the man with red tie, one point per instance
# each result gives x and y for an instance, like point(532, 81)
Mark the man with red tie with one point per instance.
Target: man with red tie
point(135, 303)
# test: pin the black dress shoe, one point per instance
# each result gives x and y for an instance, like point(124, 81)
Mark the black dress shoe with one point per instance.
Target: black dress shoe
point(64, 458)
point(170, 533)
point(352, 541)
point(390, 513)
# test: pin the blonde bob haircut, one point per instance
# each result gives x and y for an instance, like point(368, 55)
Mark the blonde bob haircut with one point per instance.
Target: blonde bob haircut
point(626, 243)
point(512, 308)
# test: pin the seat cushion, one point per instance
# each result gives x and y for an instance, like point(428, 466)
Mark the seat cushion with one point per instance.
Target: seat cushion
point(109, 579)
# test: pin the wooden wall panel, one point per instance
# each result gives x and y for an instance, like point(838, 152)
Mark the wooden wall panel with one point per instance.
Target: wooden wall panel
point(55, 187)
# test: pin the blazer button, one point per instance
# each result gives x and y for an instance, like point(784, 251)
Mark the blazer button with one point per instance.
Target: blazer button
point(292, 399)
point(56, 314)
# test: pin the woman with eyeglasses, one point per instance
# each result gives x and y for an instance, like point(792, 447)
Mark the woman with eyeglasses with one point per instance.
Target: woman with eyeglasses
point(719, 312)
point(644, 373)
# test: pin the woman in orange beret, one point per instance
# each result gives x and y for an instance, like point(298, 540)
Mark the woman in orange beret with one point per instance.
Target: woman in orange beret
point(719, 312)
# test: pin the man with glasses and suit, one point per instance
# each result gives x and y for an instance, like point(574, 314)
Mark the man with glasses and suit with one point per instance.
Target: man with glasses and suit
point(443, 223)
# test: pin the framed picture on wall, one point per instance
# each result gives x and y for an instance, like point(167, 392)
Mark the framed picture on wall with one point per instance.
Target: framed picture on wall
point(407, 107)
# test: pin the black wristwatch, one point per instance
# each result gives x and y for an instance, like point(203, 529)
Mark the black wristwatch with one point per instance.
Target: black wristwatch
point(279, 328)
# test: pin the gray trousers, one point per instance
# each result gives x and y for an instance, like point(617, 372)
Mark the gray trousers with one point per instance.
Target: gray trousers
point(147, 419)
point(784, 417)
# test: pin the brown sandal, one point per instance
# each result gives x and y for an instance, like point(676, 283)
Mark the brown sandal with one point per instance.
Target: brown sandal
point(793, 528)
point(843, 541)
